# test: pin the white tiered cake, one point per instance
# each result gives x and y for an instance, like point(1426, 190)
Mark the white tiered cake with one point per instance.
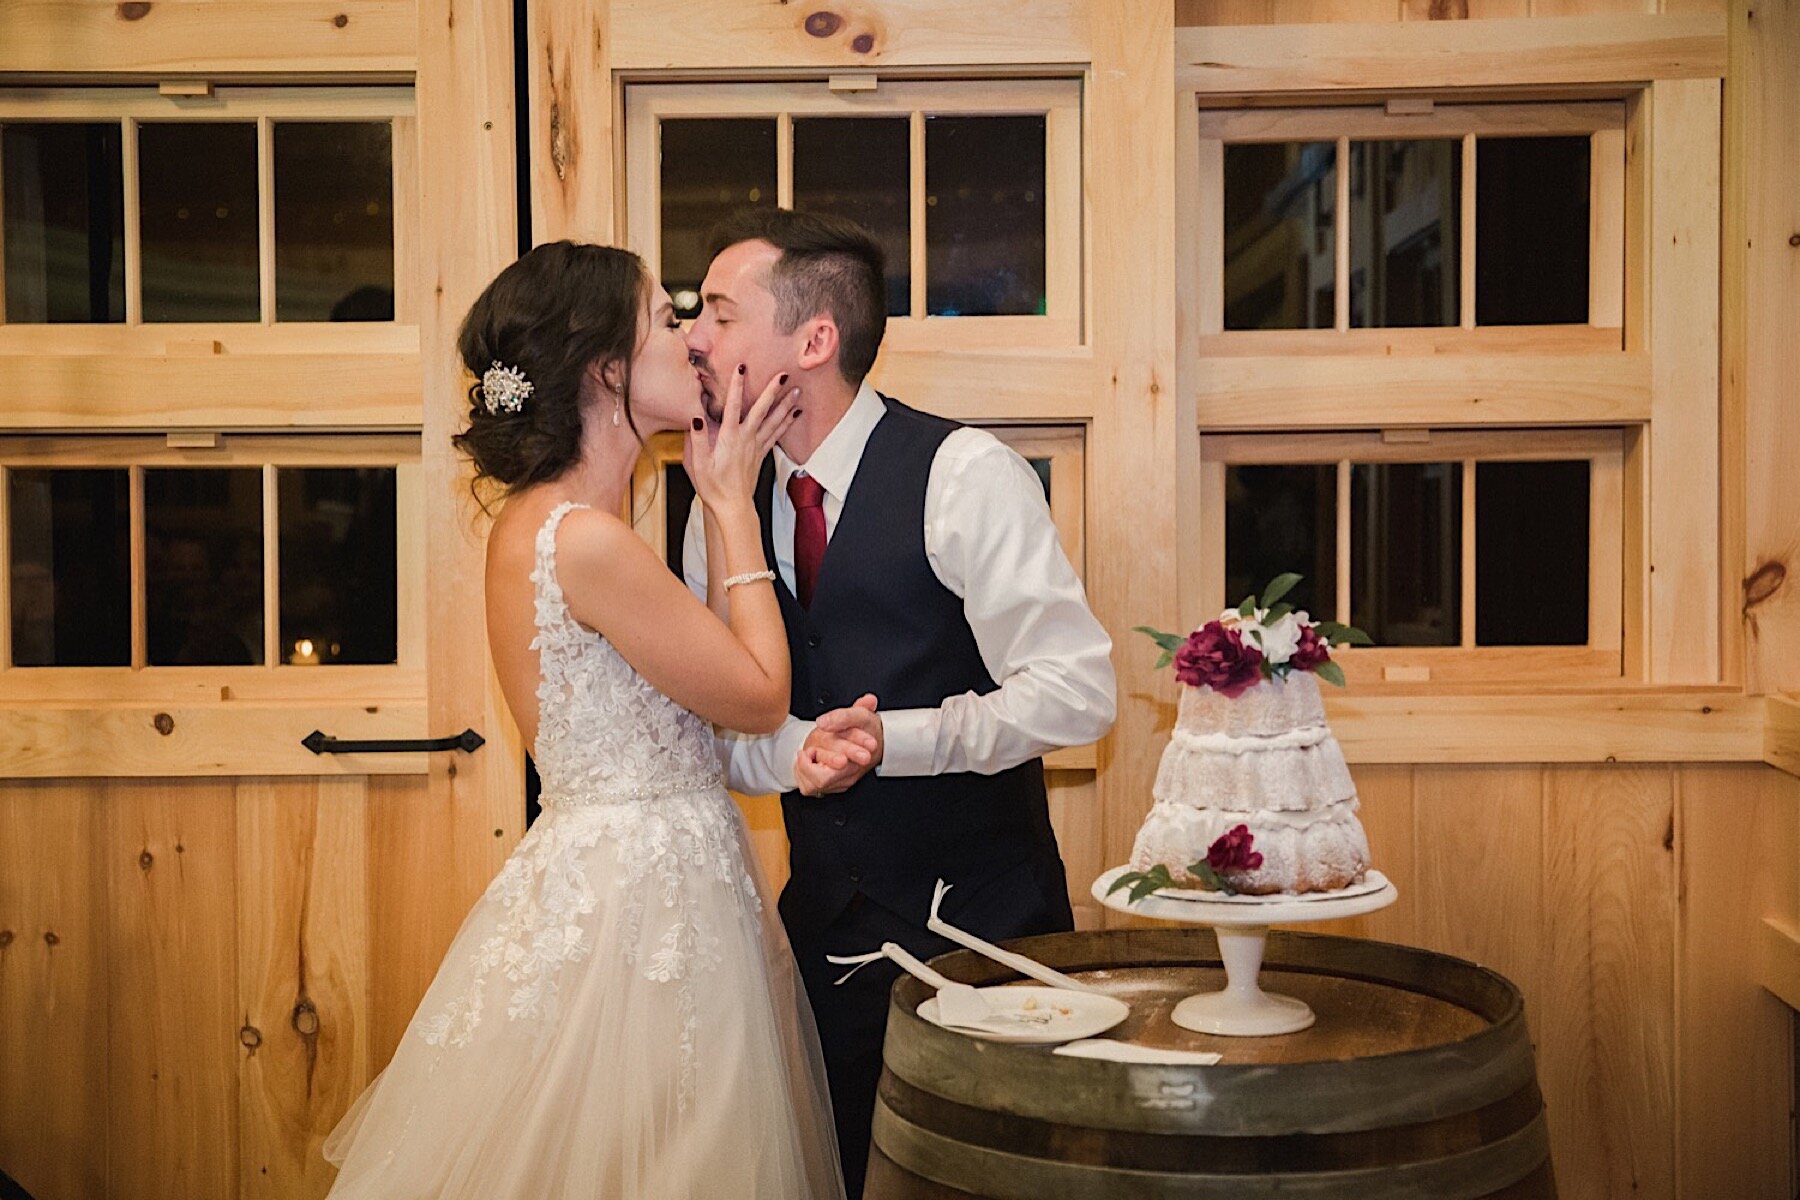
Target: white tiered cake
point(1264, 760)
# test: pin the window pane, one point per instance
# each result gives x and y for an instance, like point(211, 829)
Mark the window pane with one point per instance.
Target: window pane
point(64, 203)
point(334, 221)
point(203, 565)
point(859, 167)
point(1406, 552)
point(338, 565)
point(70, 534)
point(984, 216)
point(1280, 519)
point(1041, 467)
point(1531, 553)
point(1405, 214)
point(711, 167)
point(1280, 243)
point(1531, 230)
point(198, 197)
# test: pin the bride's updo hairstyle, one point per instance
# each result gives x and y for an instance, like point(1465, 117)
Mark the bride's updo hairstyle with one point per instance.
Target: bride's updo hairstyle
point(529, 340)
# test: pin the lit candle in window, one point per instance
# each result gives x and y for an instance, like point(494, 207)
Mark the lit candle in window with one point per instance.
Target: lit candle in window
point(305, 653)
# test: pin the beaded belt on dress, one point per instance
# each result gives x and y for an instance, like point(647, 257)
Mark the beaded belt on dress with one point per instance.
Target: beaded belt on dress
point(601, 797)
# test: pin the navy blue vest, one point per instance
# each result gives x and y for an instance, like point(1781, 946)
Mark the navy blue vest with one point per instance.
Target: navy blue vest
point(882, 622)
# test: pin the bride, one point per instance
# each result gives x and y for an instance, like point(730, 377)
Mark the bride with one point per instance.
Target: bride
point(619, 1015)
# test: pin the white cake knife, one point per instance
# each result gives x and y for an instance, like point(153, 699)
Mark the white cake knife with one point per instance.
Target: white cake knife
point(1018, 962)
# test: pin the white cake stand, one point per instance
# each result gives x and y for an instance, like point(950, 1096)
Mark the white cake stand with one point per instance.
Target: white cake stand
point(1242, 923)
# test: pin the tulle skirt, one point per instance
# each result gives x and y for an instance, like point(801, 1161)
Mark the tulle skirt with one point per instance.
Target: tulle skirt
point(619, 1016)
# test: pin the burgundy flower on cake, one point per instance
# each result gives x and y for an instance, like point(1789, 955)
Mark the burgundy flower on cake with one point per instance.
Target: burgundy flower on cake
point(1313, 651)
point(1216, 657)
point(1232, 852)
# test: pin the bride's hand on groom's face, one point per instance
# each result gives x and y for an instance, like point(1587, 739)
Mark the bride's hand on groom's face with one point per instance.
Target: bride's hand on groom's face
point(844, 745)
point(723, 460)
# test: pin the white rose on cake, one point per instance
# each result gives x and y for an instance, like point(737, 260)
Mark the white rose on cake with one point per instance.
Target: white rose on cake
point(1277, 639)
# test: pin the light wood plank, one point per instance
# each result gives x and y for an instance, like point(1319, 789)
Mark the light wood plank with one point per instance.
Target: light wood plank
point(209, 37)
point(1683, 230)
point(1076, 817)
point(1440, 54)
point(572, 131)
point(1033, 387)
point(205, 740)
point(1781, 734)
point(1386, 797)
point(303, 976)
point(1737, 828)
point(897, 33)
point(53, 995)
point(169, 852)
point(1332, 391)
point(1542, 726)
point(1761, 292)
point(1778, 960)
point(1607, 1027)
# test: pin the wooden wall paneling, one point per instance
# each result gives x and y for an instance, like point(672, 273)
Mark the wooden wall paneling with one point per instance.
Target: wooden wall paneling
point(1762, 309)
point(1076, 817)
point(896, 33)
point(1139, 417)
point(435, 849)
point(303, 976)
point(169, 849)
point(53, 992)
point(572, 127)
point(1781, 733)
point(1479, 855)
point(1606, 1026)
point(1507, 52)
point(1737, 829)
point(209, 37)
point(1683, 232)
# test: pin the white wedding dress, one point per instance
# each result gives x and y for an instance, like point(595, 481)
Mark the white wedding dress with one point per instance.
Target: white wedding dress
point(619, 1015)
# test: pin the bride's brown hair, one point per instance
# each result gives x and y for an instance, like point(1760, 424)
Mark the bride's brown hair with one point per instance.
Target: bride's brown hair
point(560, 308)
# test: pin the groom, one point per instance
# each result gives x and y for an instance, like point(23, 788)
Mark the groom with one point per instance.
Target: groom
point(919, 572)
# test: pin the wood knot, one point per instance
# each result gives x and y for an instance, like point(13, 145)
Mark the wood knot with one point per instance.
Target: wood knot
point(133, 12)
point(863, 43)
point(165, 724)
point(341, 20)
point(306, 1019)
point(823, 24)
point(145, 860)
point(1763, 582)
point(251, 1037)
point(50, 938)
point(6, 936)
point(1794, 239)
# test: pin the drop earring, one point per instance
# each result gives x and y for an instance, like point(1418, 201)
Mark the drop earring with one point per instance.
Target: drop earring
point(616, 407)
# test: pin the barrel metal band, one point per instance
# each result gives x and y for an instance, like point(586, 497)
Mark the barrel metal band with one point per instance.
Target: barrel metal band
point(1466, 1176)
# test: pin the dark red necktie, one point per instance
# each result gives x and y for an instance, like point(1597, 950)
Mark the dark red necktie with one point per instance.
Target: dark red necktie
point(808, 495)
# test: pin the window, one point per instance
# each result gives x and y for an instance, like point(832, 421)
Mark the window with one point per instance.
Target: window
point(247, 206)
point(268, 559)
point(1464, 555)
point(1502, 222)
point(972, 189)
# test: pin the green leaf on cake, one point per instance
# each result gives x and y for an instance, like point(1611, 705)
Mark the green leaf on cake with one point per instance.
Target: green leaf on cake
point(1330, 672)
point(1210, 879)
point(1275, 614)
point(1278, 587)
point(1143, 883)
point(1169, 642)
point(1248, 607)
point(1343, 635)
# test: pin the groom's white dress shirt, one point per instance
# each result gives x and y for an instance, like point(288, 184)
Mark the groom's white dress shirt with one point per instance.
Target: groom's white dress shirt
point(989, 539)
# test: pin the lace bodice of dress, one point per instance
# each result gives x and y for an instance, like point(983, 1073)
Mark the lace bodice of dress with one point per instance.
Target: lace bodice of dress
point(604, 734)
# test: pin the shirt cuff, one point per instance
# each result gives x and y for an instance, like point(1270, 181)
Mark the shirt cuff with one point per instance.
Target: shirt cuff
point(909, 742)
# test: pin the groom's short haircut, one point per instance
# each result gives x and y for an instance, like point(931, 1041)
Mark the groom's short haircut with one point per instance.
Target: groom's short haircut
point(828, 264)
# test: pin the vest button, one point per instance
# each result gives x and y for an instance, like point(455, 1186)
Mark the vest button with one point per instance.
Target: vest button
point(855, 874)
point(820, 700)
point(840, 820)
point(812, 640)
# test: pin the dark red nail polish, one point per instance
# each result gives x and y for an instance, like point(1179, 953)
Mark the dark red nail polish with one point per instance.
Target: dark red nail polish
point(740, 368)
point(699, 424)
point(797, 412)
point(782, 380)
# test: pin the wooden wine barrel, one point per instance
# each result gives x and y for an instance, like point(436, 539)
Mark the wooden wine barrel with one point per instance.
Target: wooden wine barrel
point(1416, 1081)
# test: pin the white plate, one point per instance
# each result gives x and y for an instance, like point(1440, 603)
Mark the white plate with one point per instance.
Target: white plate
point(1056, 1015)
point(1373, 881)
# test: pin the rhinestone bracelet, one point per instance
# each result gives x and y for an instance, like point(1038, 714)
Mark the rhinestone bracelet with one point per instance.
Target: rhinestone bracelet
point(750, 577)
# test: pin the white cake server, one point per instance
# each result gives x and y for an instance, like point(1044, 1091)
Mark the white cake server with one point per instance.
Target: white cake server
point(958, 1003)
point(1018, 962)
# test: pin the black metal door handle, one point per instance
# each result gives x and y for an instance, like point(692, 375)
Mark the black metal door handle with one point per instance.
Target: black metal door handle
point(468, 741)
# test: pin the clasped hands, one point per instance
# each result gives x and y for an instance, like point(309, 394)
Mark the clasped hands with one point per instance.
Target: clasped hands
point(845, 744)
